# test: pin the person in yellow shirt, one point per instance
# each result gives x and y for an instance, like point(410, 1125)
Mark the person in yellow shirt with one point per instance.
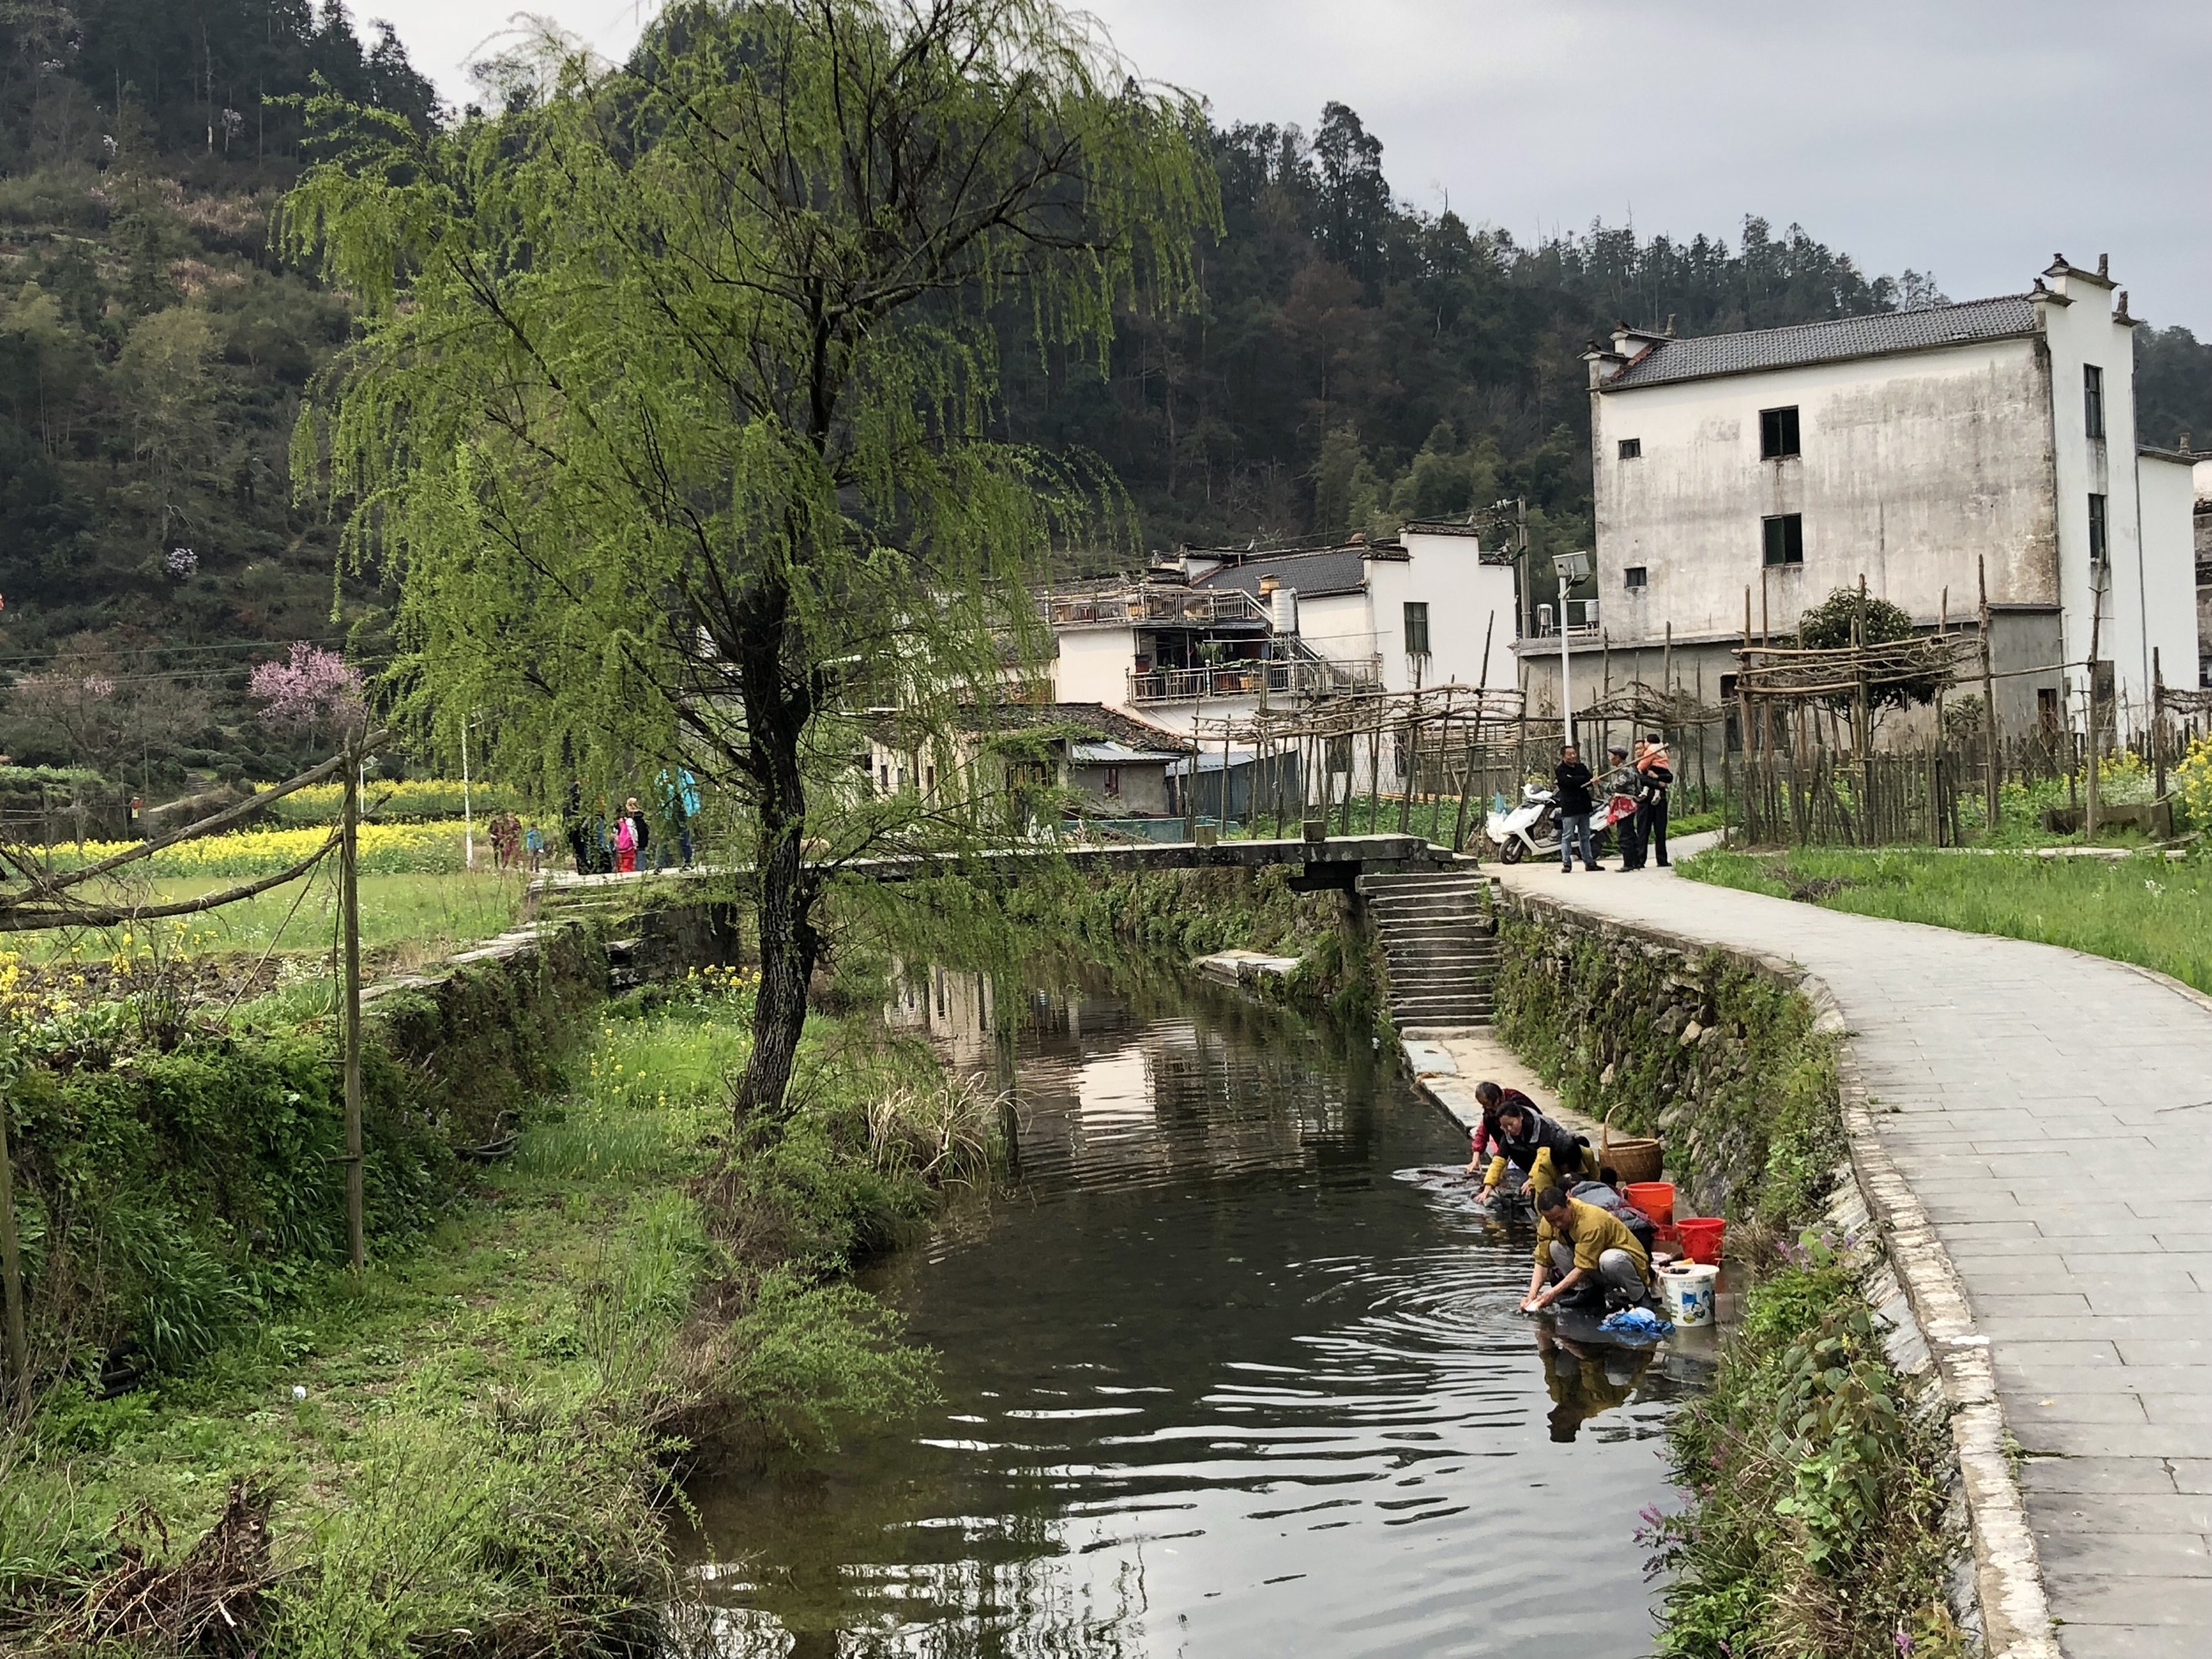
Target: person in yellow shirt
point(1580, 1245)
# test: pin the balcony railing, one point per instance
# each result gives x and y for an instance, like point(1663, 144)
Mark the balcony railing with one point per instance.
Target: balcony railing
point(1244, 679)
point(1156, 606)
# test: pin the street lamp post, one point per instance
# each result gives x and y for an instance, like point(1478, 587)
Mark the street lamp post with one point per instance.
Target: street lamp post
point(1569, 568)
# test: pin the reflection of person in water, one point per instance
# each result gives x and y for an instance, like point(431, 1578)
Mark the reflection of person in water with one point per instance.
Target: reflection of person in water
point(1586, 1378)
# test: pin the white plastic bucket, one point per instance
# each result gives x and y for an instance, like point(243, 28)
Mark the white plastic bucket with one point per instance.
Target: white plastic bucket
point(1688, 1288)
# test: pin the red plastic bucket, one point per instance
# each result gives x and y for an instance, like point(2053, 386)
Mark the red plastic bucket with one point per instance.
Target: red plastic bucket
point(1701, 1238)
point(1654, 1198)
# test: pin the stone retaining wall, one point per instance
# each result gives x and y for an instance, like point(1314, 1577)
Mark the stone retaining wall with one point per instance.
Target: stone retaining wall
point(485, 1030)
point(1714, 1051)
point(1743, 1063)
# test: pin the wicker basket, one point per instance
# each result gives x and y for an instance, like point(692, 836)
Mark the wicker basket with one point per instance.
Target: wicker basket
point(1632, 1157)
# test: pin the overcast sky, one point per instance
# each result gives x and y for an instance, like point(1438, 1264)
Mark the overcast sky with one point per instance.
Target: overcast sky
point(1966, 138)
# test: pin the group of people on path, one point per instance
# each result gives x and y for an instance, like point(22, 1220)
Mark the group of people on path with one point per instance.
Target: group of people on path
point(1592, 1245)
point(1643, 776)
point(603, 847)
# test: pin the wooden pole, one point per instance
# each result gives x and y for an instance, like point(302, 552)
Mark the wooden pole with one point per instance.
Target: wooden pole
point(1996, 780)
point(1375, 761)
point(350, 903)
point(2157, 726)
point(1862, 714)
point(1474, 742)
point(2096, 625)
point(11, 1271)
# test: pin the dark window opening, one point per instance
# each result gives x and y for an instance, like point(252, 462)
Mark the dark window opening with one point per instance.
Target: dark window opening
point(1778, 433)
point(1113, 783)
point(1631, 449)
point(2093, 400)
point(1417, 627)
point(1784, 538)
point(2046, 708)
point(2100, 550)
point(1732, 725)
point(1638, 576)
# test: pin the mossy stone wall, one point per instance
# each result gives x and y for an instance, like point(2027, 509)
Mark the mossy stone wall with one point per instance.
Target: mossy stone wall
point(1718, 1053)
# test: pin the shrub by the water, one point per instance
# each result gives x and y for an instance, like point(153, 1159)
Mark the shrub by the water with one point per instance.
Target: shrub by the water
point(1817, 1531)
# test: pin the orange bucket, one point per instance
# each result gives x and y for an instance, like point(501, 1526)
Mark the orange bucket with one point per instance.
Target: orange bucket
point(1654, 1198)
point(1701, 1238)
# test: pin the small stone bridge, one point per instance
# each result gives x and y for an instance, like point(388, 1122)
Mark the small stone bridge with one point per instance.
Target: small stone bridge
point(1338, 861)
point(1428, 905)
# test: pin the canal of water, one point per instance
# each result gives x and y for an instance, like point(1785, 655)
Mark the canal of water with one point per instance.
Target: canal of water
point(1234, 1369)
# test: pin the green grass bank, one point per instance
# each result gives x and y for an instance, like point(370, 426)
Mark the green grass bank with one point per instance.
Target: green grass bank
point(2153, 911)
point(471, 1449)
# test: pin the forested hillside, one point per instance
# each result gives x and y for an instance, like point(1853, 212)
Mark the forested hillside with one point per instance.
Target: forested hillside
point(1356, 360)
point(152, 356)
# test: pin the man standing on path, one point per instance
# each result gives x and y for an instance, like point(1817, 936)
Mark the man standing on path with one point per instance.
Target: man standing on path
point(1570, 792)
point(1654, 778)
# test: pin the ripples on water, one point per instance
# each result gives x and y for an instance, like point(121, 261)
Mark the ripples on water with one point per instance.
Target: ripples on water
point(1238, 1370)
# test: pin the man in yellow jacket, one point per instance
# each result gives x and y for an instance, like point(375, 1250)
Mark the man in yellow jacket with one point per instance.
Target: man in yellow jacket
point(1577, 1244)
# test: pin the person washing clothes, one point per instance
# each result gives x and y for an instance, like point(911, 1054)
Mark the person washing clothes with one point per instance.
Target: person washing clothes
point(1570, 795)
point(1543, 1151)
point(1493, 1100)
point(1584, 1254)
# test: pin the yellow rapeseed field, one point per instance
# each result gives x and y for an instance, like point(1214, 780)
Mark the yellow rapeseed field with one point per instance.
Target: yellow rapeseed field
point(386, 849)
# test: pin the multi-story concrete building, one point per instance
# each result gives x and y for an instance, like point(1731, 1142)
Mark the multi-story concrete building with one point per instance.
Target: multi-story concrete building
point(1209, 636)
point(1756, 473)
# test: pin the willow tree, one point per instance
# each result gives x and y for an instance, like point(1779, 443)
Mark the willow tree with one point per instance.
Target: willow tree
point(674, 408)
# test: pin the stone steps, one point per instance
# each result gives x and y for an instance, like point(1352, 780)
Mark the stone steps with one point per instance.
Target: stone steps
point(1439, 945)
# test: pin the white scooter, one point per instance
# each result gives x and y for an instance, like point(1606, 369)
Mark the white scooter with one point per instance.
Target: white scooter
point(1531, 827)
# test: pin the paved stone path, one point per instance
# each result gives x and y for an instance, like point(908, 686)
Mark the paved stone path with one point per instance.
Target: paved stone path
point(2052, 1113)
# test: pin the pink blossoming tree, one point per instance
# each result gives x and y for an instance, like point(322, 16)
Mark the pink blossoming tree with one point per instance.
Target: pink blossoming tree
point(312, 690)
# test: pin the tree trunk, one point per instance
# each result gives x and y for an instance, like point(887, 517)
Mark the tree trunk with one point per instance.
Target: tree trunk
point(776, 712)
point(788, 946)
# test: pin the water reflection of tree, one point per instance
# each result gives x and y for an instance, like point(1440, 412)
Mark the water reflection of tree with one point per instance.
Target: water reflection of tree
point(964, 1586)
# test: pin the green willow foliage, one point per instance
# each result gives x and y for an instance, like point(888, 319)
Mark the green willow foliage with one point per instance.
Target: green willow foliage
point(671, 409)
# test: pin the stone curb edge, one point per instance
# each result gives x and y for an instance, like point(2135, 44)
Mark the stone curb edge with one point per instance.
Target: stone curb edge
point(2008, 1568)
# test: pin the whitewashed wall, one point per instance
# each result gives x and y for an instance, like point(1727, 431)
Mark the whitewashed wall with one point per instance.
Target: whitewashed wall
point(1093, 664)
point(1912, 467)
point(2169, 552)
point(1464, 596)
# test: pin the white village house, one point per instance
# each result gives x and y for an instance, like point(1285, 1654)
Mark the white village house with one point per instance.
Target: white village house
point(1765, 470)
point(1210, 636)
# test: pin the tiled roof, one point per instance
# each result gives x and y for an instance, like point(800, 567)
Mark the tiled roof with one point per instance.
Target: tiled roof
point(1332, 571)
point(1876, 335)
point(1101, 723)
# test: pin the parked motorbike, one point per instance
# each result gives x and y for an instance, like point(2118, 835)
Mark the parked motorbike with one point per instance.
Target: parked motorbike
point(1533, 826)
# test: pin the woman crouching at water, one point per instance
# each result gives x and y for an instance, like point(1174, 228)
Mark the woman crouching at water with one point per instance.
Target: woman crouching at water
point(1547, 1153)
